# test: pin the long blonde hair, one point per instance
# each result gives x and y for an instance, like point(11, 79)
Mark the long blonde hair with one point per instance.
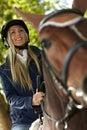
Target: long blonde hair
point(19, 71)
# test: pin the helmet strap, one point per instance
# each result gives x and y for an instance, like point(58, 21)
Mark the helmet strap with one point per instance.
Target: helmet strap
point(25, 46)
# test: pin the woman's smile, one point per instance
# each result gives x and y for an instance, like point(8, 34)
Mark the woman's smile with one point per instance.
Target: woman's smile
point(18, 35)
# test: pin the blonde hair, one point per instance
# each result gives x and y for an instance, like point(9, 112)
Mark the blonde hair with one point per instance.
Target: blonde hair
point(19, 70)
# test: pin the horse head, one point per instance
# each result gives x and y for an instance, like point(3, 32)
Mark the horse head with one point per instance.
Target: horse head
point(62, 35)
point(58, 33)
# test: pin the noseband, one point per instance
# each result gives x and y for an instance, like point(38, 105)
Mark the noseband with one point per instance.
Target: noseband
point(72, 106)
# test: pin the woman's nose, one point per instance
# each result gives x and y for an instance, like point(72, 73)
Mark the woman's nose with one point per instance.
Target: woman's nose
point(18, 32)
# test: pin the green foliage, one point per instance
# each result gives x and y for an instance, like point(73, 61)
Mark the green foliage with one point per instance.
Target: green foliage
point(7, 13)
point(32, 6)
point(85, 14)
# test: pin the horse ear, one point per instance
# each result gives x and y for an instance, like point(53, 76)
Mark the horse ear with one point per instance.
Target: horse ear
point(79, 4)
point(32, 19)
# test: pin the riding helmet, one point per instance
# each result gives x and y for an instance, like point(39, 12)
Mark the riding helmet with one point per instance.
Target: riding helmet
point(8, 25)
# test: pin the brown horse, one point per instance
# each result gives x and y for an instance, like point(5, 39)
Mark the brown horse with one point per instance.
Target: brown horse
point(64, 73)
point(5, 121)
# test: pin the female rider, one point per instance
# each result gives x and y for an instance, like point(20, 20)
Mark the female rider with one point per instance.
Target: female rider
point(19, 75)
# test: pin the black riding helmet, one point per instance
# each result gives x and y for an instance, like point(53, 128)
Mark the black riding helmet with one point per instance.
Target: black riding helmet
point(8, 25)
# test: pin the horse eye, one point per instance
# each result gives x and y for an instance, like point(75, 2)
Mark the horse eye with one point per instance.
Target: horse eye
point(46, 43)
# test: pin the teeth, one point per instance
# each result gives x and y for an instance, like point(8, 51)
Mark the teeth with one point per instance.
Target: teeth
point(18, 39)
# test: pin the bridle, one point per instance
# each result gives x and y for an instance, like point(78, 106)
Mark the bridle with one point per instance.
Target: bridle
point(69, 56)
point(72, 106)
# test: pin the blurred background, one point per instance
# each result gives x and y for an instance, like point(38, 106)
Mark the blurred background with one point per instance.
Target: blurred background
point(32, 6)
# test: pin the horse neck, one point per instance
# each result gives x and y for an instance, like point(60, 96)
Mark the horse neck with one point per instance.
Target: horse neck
point(53, 103)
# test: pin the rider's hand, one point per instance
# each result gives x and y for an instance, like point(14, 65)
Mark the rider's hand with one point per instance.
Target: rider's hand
point(37, 98)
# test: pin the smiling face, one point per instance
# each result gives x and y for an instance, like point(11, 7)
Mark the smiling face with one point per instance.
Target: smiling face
point(17, 35)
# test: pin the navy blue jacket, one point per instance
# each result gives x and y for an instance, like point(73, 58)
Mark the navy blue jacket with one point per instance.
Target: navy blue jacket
point(21, 110)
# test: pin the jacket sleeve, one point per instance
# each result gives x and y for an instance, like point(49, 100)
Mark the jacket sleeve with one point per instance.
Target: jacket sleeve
point(18, 102)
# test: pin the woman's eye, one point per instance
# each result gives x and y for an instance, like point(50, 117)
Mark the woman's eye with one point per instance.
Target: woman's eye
point(21, 30)
point(12, 32)
point(16, 31)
